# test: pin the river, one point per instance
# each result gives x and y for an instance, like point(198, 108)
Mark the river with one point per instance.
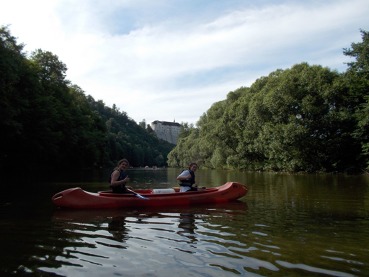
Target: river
point(287, 225)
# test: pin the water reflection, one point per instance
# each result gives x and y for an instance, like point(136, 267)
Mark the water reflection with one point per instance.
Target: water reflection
point(290, 226)
point(118, 229)
point(95, 220)
point(187, 226)
point(186, 223)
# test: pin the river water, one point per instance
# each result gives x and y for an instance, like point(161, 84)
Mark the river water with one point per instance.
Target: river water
point(287, 225)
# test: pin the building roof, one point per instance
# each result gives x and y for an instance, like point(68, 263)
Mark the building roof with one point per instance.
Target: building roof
point(166, 123)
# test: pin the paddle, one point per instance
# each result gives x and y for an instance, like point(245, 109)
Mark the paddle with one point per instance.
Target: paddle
point(137, 194)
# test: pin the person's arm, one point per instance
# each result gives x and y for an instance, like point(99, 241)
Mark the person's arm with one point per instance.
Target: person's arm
point(114, 179)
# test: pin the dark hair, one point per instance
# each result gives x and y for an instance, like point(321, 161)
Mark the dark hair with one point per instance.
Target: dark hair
point(191, 164)
point(122, 161)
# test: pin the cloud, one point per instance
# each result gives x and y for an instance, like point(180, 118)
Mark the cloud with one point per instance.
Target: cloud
point(165, 60)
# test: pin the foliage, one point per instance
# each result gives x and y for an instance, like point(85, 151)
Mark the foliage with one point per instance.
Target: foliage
point(357, 78)
point(127, 139)
point(49, 125)
point(306, 118)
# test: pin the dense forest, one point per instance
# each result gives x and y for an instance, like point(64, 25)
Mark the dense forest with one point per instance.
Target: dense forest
point(48, 125)
point(305, 118)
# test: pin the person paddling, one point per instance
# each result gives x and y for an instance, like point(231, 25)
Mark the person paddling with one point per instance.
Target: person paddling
point(187, 178)
point(119, 177)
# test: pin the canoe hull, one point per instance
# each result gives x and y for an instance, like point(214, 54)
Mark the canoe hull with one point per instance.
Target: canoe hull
point(76, 198)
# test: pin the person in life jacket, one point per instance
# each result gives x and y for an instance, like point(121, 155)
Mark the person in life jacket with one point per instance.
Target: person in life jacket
point(187, 178)
point(119, 177)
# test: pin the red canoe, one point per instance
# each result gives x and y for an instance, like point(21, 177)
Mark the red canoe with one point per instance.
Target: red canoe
point(76, 198)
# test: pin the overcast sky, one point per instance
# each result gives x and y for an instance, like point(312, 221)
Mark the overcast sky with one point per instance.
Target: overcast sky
point(172, 59)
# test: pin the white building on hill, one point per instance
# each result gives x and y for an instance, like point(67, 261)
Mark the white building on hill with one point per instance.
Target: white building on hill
point(168, 131)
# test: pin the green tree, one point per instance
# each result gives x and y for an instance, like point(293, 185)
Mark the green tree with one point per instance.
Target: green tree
point(292, 120)
point(19, 100)
point(49, 125)
point(357, 78)
point(142, 124)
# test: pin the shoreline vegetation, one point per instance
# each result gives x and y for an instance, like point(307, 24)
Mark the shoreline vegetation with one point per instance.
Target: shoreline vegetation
point(307, 118)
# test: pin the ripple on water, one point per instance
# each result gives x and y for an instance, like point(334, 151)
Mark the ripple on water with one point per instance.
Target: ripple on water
point(203, 242)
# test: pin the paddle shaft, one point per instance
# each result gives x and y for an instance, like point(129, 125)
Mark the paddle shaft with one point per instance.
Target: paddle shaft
point(137, 194)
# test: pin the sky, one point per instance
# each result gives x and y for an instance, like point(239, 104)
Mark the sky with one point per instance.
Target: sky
point(170, 60)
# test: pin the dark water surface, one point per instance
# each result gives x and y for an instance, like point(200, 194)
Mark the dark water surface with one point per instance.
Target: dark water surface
point(287, 225)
